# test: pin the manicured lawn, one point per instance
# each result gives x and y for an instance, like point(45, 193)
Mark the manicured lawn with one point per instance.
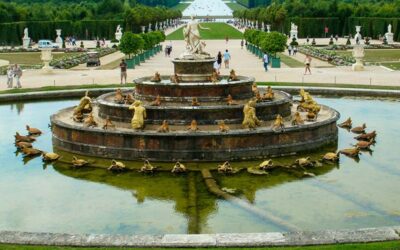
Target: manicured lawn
point(236, 6)
point(378, 55)
point(392, 65)
point(28, 57)
point(181, 6)
point(290, 62)
point(217, 31)
point(390, 245)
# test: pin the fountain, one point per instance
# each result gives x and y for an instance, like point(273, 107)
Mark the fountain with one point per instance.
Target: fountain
point(194, 118)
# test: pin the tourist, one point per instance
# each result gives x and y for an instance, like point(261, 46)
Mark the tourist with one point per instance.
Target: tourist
point(123, 68)
point(169, 48)
point(294, 50)
point(336, 38)
point(308, 40)
point(227, 57)
point(289, 50)
point(266, 61)
point(10, 75)
point(219, 59)
point(166, 50)
point(307, 62)
point(216, 67)
point(17, 74)
point(241, 44)
point(226, 39)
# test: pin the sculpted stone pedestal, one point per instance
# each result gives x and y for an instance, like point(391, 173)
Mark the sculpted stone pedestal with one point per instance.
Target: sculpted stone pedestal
point(196, 70)
point(46, 57)
point(358, 54)
point(26, 42)
point(389, 37)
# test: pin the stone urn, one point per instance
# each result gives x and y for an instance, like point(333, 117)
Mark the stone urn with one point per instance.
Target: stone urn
point(46, 57)
point(59, 40)
point(358, 54)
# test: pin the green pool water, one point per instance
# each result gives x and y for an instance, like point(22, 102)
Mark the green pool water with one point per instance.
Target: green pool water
point(56, 198)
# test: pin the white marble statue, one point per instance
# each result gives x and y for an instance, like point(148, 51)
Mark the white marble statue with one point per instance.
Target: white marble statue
point(118, 33)
point(293, 31)
point(192, 38)
point(26, 35)
point(358, 36)
point(26, 40)
point(389, 35)
point(59, 39)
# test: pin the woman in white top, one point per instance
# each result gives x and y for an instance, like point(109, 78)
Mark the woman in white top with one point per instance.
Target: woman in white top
point(10, 75)
point(307, 62)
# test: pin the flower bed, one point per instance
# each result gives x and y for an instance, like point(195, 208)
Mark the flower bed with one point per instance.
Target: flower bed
point(70, 61)
point(327, 55)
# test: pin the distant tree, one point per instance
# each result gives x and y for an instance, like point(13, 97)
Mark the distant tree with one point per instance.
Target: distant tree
point(131, 43)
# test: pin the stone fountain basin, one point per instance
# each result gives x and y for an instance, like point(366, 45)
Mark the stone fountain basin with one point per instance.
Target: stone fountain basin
point(204, 91)
point(184, 113)
point(208, 144)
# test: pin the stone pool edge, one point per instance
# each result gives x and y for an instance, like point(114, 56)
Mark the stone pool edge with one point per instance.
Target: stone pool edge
point(61, 94)
point(300, 238)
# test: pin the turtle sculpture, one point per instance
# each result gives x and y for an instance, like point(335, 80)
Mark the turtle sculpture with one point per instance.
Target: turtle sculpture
point(346, 124)
point(147, 167)
point(225, 168)
point(365, 144)
point(156, 102)
point(360, 129)
point(266, 165)
point(164, 128)
point(297, 120)
point(193, 126)
point(223, 127)
point(351, 152)
point(178, 168)
point(116, 166)
point(331, 157)
point(31, 151)
point(33, 131)
point(50, 157)
point(23, 138)
point(23, 144)
point(311, 116)
point(304, 162)
point(367, 136)
point(79, 162)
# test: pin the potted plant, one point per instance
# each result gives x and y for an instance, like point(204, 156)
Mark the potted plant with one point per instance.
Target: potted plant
point(131, 44)
point(273, 43)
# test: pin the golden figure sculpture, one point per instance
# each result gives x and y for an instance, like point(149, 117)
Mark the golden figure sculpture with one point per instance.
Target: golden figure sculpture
point(129, 99)
point(119, 97)
point(223, 127)
point(254, 88)
point(230, 101)
point(311, 116)
point(258, 97)
point(156, 102)
point(164, 128)
point(108, 124)
point(174, 78)
point(214, 78)
point(225, 168)
point(269, 95)
point(278, 123)
point(195, 102)
point(84, 106)
point(89, 121)
point(193, 126)
point(233, 76)
point(250, 120)
point(346, 124)
point(156, 77)
point(139, 115)
point(297, 120)
point(178, 168)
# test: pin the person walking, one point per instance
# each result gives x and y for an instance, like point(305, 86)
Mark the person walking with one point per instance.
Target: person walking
point(227, 57)
point(226, 39)
point(219, 60)
point(123, 66)
point(290, 50)
point(10, 77)
point(307, 62)
point(266, 61)
point(241, 44)
point(294, 50)
point(17, 74)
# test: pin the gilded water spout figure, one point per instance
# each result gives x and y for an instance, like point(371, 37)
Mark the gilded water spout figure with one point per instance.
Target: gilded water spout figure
point(278, 124)
point(193, 126)
point(297, 120)
point(139, 115)
point(156, 77)
point(233, 76)
point(164, 128)
point(223, 127)
point(250, 120)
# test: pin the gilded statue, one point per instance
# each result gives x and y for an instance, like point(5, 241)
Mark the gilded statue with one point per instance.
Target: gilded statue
point(230, 101)
point(222, 126)
point(254, 88)
point(233, 76)
point(307, 103)
point(175, 78)
point(250, 120)
point(195, 102)
point(269, 94)
point(156, 102)
point(225, 168)
point(139, 115)
point(164, 128)
point(129, 99)
point(297, 120)
point(108, 124)
point(193, 126)
point(178, 168)
point(156, 77)
point(311, 116)
point(278, 123)
point(89, 121)
point(84, 106)
point(119, 97)
point(214, 78)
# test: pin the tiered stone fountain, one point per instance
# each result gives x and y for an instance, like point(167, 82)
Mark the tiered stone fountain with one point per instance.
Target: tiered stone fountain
point(208, 143)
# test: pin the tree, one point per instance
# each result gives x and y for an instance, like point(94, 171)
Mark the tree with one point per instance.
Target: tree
point(273, 43)
point(131, 43)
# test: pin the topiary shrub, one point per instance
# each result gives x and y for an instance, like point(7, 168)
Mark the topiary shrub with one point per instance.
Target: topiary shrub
point(273, 43)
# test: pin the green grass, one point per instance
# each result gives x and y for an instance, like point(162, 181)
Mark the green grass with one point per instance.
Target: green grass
point(389, 245)
point(290, 62)
point(236, 6)
point(28, 57)
point(392, 65)
point(377, 55)
point(217, 31)
point(181, 6)
point(330, 85)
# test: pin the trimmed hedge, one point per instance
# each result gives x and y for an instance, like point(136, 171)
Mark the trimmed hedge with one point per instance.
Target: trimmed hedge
point(253, 3)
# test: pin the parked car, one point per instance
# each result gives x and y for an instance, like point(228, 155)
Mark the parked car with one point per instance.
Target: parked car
point(47, 44)
point(93, 59)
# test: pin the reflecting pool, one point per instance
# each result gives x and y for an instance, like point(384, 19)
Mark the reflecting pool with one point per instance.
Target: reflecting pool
point(57, 198)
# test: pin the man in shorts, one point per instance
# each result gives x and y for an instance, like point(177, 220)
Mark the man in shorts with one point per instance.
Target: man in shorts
point(123, 67)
